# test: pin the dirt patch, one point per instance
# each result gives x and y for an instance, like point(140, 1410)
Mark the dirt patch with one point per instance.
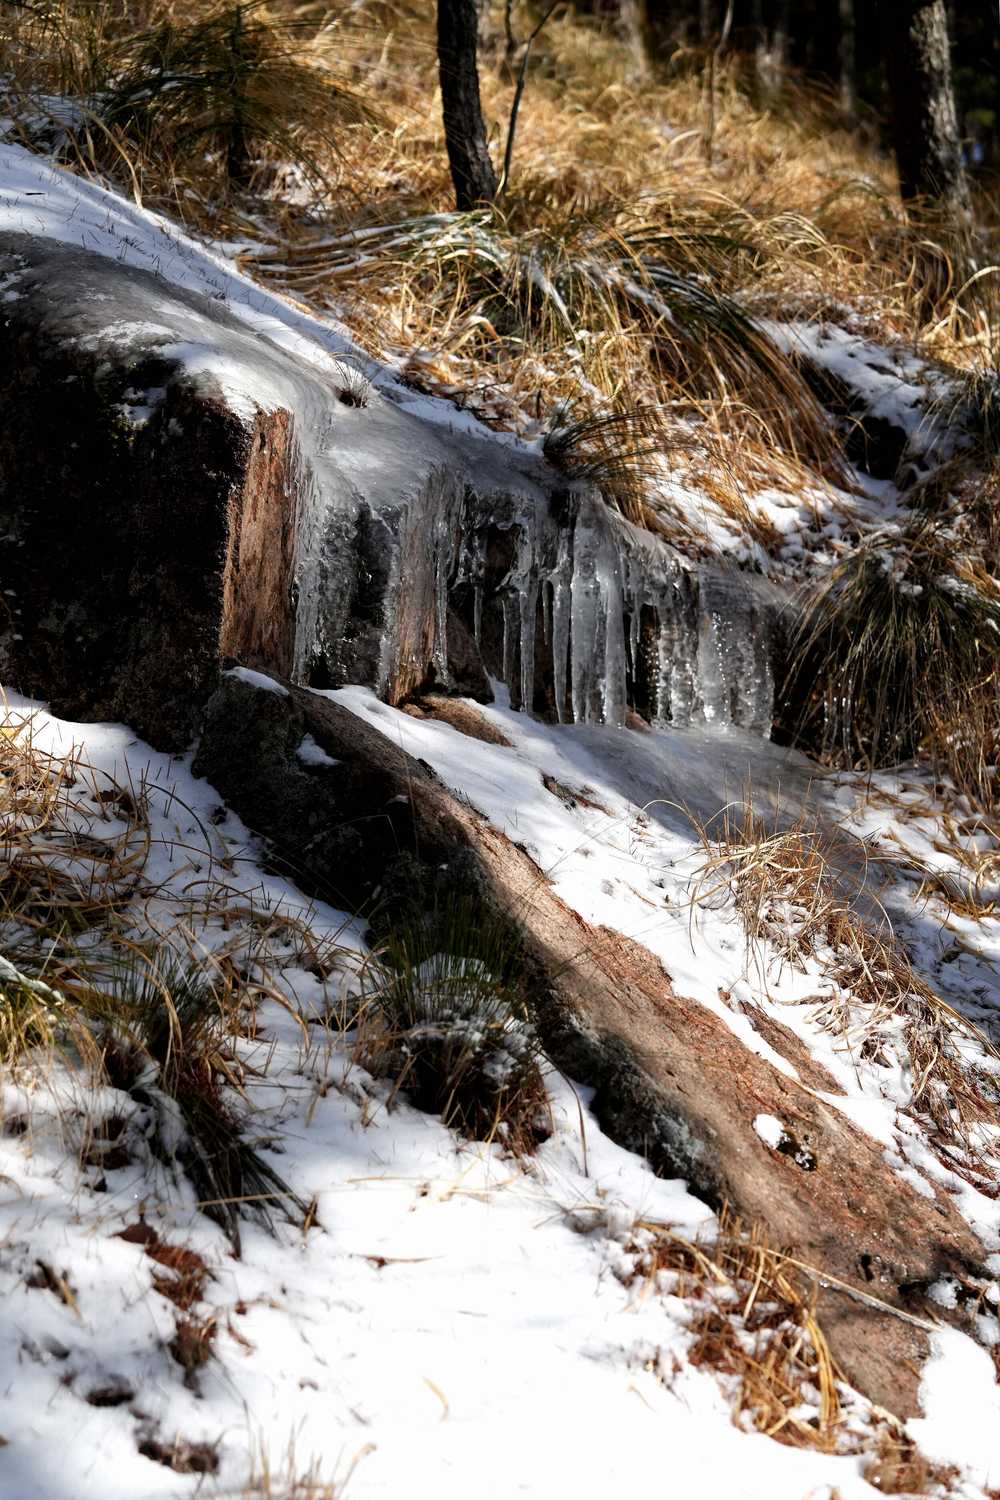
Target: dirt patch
point(181, 1456)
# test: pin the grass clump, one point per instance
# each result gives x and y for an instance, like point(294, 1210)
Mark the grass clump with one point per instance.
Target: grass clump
point(74, 845)
point(199, 99)
point(753, 1320)
point(447, 1020)
point(165, 1031)
point(896, 653)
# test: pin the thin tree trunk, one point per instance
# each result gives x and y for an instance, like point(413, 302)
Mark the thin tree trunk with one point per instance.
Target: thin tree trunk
point(917, 53)
point(847, 56)
point(714, 58)
point(464, 129)
point(238, 168)
point(770, 49)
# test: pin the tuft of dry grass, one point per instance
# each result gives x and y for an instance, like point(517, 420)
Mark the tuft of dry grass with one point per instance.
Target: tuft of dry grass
point(444, 1016)
point(147, 1010)
point(752, 1319)
point(897, 651)
point(294, 1480)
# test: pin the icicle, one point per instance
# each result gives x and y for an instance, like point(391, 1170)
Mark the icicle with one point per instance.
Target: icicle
point(736, 678)
point(560, 580)
point(585, 598)
point(445, 527)
point(613, 676)
point(508, 640)
point(528, 605)
point(597, 629)
point(476, 546)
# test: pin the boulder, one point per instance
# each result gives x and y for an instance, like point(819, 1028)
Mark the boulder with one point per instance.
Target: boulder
point(176, 489)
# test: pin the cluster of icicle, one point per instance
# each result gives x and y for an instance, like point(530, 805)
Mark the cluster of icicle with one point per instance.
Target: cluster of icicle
point(610, 594)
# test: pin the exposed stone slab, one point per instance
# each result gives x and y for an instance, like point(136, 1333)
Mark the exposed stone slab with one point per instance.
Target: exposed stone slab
point(378, 830)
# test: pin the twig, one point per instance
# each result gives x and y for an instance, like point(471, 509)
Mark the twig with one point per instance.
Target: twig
point(508, 155)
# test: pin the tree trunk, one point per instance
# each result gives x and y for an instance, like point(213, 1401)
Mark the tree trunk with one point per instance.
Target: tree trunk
point(770, 49)
point(917, 54)
point(847, 57)
point(464, 129)
point(626, 18)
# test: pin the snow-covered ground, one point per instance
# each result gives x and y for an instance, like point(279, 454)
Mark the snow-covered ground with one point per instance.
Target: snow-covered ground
point(454, 1320)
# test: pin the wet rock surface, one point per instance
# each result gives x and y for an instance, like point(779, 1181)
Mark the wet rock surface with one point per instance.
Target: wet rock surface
point(176, 489)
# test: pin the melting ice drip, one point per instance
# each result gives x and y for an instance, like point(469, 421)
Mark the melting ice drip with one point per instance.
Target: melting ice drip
point(628, 623)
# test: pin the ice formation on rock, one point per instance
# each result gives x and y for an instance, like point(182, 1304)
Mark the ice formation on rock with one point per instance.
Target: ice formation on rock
point(596, 617)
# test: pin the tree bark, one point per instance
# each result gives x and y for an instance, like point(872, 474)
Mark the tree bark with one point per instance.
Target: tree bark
point(917, 52)
point(464, 129)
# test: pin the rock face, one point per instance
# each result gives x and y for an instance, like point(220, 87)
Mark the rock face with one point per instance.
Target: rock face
point(123, 490)
point(176, 489)
point(377, 830)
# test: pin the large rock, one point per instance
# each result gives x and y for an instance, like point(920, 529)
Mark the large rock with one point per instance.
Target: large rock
point(376, 830)
point(176, 489)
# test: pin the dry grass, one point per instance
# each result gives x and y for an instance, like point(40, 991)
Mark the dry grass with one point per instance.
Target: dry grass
point(618, 279)
point(89, 972)
point(753, 1321)
point(896, 653)
point(444, 1015)
point(803, 895)
point(295, 1480)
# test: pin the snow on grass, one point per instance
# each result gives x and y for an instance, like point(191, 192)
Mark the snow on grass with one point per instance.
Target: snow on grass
point(452, 1320)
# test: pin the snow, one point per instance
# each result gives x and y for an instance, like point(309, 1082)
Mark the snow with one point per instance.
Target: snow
point(961, 1399)
point(257, 680)
point(39, 198)
point(311, 754)
point(452, 1313)
point(769, 1129)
